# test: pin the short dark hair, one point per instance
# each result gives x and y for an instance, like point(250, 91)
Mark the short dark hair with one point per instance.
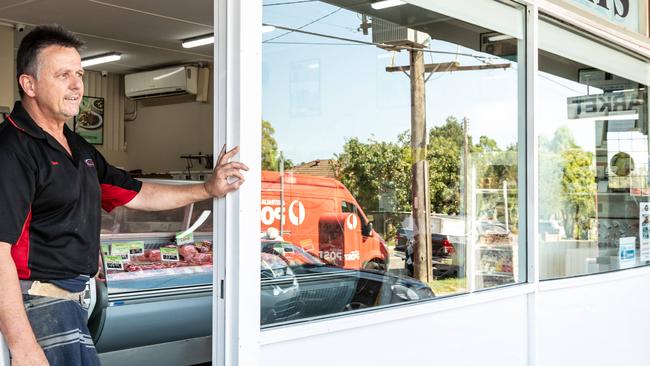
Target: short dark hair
point(35, 41)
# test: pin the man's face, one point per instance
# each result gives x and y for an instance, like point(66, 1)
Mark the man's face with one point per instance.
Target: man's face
point(58, 87)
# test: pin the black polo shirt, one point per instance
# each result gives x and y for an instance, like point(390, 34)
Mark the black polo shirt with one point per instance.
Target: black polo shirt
point(50, 202)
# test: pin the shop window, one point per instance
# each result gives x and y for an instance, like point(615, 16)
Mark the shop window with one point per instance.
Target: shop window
point(361, 215)
point(592, 123)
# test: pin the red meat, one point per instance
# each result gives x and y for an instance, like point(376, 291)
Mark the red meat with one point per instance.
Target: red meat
point(188, 251)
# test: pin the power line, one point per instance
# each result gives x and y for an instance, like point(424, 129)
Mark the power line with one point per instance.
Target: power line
point(381, 45)
point(291, 2)
point(303, 26)
point(317, 43)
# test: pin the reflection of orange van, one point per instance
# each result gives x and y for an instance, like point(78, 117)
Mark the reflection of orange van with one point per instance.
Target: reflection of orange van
point(320, 215)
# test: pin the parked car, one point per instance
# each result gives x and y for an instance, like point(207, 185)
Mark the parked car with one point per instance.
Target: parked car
point(297, 284)
point(445, 250)
point(443, 245)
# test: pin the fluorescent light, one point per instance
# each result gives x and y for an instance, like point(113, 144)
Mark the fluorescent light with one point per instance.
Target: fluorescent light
point(198, 41)
point(500, 37)
point(100, 59)
point(386, 4)
point(267, 28)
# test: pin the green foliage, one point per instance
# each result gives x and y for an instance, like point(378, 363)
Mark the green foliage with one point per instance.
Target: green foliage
point(444, 153)
point(567, 188)
point(578, 193)
point(271, 157)
point(374, 170)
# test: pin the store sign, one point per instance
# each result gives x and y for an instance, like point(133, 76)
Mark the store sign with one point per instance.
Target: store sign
point(606, 104)
point(621, 12)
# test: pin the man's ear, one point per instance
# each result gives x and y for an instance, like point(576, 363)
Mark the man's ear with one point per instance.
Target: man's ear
point(27, 82)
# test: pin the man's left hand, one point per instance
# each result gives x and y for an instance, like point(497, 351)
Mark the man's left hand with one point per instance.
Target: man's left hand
point(227, 175)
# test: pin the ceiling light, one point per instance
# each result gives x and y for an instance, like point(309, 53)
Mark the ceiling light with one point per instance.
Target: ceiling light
point(100, 59)
point(267, 28)
point(500, 37)
point(198, 41)
point(386, 4)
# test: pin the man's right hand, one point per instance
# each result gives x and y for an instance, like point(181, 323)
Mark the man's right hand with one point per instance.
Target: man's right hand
point(29, 356)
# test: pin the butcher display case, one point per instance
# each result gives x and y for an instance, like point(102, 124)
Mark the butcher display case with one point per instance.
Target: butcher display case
point(152, 297)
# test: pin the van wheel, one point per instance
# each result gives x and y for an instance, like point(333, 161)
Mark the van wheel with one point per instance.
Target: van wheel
point(376, 265)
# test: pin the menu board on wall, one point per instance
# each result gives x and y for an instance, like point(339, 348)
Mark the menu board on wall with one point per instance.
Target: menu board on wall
point(89, 123)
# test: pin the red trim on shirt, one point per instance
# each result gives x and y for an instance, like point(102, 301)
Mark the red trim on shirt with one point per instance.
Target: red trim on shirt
point(20, 251)
point(14, 123)
point(113, 196)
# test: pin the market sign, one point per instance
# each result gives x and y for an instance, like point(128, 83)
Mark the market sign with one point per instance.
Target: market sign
point(607, 104)
point(622, 12)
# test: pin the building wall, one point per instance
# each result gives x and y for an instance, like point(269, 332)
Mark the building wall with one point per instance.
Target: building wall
point(164, 130)
point(167, 128)
point(595, 320)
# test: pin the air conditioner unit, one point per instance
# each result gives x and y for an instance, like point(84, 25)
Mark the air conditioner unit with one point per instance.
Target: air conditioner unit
point(160, 83)
point(385, 32)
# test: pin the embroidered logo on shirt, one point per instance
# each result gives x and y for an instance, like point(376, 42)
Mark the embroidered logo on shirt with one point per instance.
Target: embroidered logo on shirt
point(89, 162)
point(55, 162)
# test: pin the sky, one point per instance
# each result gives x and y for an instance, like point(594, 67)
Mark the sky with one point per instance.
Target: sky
point(318, 92)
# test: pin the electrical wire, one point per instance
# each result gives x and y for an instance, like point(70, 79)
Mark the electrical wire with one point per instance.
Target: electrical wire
point(291, 2)
point(377, 44)
point(303, 26)
point(316, 43)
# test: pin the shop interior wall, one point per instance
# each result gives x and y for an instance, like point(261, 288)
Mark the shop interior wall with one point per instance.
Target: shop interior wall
point(7, 68)
point(111, 88)
point(165, 129)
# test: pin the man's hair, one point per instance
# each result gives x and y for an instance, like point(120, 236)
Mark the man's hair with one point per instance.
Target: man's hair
point(35, 41)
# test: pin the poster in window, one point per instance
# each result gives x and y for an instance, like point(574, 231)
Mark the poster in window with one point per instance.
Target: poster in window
point(89, 123)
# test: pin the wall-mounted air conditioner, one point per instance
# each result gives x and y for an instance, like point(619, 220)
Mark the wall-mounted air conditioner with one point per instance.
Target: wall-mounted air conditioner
point(163, 82)
point(389, 33)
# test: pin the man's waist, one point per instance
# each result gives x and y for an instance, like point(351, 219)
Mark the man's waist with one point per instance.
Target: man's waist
point(39, 288)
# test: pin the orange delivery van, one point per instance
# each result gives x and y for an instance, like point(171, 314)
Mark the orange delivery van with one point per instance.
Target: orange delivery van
point(320, 215)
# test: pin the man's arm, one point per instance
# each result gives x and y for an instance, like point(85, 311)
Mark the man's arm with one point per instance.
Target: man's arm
point(14, 324)
point(226, 178)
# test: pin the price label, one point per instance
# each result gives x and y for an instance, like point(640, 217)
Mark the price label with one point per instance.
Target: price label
point(185, 239)
point(113, 263)
point(121, 249)
point(136, 248)
point(169, 254)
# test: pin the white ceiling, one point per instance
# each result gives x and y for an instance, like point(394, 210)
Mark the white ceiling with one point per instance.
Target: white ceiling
point(148, 33)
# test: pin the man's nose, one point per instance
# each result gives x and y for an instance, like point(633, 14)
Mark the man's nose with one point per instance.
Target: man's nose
point(77, 83)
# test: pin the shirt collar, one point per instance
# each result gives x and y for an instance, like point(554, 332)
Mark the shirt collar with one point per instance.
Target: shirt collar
point(21, 120)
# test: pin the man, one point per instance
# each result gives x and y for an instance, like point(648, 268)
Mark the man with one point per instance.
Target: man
point(52, 185)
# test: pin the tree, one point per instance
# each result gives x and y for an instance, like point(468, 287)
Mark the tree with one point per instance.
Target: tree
point(372, 169)
point(578, 193)
point(567, 188)
point(271, 157)
point(444, 156)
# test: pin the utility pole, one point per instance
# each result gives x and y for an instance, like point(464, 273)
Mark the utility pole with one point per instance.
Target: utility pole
point(422, 266)
point(422, 250)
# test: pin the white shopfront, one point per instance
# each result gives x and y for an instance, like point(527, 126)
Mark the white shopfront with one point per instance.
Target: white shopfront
point(570, 304)
point(529, 126)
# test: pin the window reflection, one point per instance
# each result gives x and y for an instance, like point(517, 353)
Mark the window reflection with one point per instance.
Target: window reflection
point(377, 189)
point(593, 172)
